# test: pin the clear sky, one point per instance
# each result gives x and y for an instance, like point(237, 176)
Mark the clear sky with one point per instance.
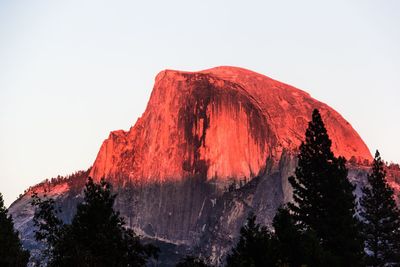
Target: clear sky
point(72, 71)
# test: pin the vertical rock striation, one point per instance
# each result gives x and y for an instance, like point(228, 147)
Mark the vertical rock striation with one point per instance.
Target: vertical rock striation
point(223, 123)
point(210, 147)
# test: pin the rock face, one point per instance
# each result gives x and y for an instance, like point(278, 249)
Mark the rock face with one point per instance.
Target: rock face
point(223, 123)
point(211, 146)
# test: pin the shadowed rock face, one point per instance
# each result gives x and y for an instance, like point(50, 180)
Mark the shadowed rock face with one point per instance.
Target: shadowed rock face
point(175, 169)
point(223, 123)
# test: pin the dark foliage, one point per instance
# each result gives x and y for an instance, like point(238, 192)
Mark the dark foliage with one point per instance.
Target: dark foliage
point(295, 247)
point(49, 226)
point(381, 218)
point(323, 196)
point(11, 251)
point(289, 238)
point(287, 246)
point(97, 235)
point(255, 248)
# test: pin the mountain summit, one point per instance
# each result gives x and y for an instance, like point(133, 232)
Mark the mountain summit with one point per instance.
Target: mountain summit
point(221, 123)
point(210, 147)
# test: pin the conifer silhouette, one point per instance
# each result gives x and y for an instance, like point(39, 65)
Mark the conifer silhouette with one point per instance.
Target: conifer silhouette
point(381, 218)
point(323, 197)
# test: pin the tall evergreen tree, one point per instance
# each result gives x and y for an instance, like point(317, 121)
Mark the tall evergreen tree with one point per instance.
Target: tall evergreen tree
point(381, 218)
point(97, 235)
point(11, 252)
point(288, 236)
point(255, 248)
point(323, 197)
point(293, 246)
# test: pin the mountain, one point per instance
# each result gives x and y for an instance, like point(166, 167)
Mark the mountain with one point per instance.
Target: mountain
point(210, 147)
point(221, 123)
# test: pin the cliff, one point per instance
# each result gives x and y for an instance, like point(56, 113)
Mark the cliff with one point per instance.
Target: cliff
point(222, 123)
point(210, 147)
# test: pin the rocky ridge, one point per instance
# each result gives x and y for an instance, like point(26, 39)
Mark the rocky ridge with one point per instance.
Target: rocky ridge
point(221, 123)
point(210, 147)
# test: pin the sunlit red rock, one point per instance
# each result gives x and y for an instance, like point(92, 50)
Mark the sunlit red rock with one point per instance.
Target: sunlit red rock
point(172, 170)
point(220, 123)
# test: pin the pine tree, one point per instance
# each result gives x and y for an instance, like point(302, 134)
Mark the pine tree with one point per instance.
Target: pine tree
point(323, 197)
point(255, 248)
point(314, 164)
point(50, 227)
point(295, 247)
point(11, 251)
point(381, 218)
point(288, 238)
point(97, 235)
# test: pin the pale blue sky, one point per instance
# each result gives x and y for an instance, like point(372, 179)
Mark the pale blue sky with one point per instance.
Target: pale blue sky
point(72, 71)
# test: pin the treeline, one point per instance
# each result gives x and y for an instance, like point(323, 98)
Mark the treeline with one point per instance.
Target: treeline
point(323, 226)
point(75, 180)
